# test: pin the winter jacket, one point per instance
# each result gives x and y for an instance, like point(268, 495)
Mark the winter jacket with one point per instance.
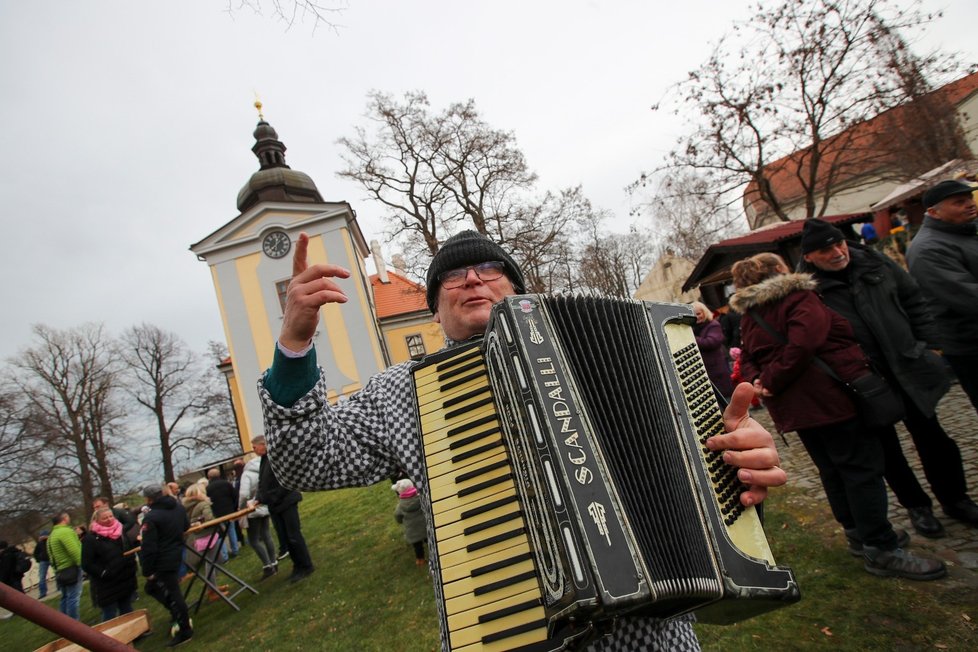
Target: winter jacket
point(709, 339)
point(891, 321)
point(271, 493)
point(199, 511)
point(112, 572)
point(803, 395)
point(248, 488)
point(64, 547)
point(943, 259)
point(162, 536)
point(409, 513)
point(222, 496)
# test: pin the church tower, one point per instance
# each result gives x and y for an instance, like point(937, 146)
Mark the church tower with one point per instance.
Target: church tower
point(250, 259)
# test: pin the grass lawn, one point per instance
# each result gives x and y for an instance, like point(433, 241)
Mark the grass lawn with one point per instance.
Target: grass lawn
point(367, 593)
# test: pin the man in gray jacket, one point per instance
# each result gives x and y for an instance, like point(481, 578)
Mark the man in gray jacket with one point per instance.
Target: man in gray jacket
point(891, 322)
point(943, 259)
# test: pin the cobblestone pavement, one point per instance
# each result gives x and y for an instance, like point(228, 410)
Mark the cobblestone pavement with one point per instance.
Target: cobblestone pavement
point(960, 547)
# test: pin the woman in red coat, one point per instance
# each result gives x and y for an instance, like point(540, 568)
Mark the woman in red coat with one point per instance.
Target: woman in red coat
point(801, 397)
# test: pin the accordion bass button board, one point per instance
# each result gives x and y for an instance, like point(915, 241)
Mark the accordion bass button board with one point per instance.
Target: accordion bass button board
point(569, 483)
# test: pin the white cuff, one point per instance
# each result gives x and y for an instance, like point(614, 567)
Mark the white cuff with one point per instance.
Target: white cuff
point(289, 353)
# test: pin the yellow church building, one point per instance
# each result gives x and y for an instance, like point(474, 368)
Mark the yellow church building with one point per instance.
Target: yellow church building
point(385, 320)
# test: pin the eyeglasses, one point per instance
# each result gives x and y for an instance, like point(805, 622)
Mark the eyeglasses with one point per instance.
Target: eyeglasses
point(488, 271)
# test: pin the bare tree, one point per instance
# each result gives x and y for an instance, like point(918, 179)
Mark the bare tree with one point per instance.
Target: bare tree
point(69, 382)
point(684, 215)
point(166, 381)
point(438, 173)
point(292, 11)
point(778, 95)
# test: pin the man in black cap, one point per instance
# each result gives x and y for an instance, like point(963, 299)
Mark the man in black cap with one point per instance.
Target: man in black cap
point(313, 444)
point(161, 535)
point(943, 258)
point(893, 326)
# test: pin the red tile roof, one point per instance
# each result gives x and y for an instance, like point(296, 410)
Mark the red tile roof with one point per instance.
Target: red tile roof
point(857, 141)
point(399, 297)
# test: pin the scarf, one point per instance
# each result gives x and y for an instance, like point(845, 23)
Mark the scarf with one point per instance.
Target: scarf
point(113, 531)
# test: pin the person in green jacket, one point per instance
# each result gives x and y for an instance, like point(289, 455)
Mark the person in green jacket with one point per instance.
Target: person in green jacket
point(64, 551)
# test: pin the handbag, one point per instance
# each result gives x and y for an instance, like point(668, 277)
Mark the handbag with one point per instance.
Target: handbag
point(205, 543)
point(68, 576)
point(876, 402)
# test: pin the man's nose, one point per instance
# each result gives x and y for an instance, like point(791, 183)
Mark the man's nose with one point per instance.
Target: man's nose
point(471, 278)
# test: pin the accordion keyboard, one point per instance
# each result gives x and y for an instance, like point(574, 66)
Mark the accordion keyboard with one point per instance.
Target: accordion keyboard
point(492, 599)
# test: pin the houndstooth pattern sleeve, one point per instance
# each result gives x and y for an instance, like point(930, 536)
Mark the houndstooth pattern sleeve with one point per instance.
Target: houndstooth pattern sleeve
point(315, 445)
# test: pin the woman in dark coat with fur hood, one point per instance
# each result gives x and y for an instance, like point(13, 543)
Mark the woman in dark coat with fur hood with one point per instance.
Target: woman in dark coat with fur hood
point(802, 397)
point(112, 573)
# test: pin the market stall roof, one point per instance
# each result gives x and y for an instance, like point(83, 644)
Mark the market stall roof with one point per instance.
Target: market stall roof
point(915, 187)
point(714, 266)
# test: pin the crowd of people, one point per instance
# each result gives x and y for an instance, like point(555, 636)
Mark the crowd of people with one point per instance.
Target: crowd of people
point(117, 543)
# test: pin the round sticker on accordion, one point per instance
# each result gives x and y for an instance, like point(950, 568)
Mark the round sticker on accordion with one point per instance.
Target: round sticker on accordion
point(526, 305)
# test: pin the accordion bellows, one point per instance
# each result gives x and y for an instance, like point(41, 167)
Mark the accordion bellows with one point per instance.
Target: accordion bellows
point(569, 484)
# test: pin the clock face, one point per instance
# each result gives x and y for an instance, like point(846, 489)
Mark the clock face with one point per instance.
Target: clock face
point(276, 244)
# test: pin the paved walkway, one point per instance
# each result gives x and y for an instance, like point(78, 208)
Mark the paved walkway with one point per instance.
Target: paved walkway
point(960, 547)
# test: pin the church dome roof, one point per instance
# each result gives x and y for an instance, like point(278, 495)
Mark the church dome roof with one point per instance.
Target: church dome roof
point(275, 181)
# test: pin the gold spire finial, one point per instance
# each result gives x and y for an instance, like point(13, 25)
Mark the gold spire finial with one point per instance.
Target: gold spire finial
point(258, 106)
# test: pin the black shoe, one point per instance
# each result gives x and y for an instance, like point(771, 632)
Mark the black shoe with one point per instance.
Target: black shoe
point(282, 555)
point(900, 563)
point(925, 523)
point(267, 572)
point(300, 574)
point(965, 510)
point(856, 544)
point(182, 637)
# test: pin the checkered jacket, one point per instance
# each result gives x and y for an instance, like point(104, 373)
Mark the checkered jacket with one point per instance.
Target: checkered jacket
point(314, 445)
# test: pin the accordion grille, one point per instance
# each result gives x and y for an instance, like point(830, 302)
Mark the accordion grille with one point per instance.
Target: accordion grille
point(633, 418)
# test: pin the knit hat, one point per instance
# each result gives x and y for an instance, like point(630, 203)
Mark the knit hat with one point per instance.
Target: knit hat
point(469, 248)
point(735, 353)
point(945, 189)
point(817, 234)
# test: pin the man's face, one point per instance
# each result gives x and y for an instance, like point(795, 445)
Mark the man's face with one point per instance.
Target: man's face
point(260, 448)
point(833, 258)
point(463, 312)
point(956, 209)
point(96, 504)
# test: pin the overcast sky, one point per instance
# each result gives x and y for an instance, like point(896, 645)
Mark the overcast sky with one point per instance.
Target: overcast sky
point(126, 127)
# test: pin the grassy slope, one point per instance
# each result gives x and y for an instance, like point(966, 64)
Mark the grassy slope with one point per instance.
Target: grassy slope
point(367, 594)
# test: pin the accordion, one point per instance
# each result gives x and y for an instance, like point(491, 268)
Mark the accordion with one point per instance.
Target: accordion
point(569, 484)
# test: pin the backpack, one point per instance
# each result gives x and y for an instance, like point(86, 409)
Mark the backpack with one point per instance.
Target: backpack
point(23, 563)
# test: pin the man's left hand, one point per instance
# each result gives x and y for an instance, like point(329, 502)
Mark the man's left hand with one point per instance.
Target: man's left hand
point(748, 446)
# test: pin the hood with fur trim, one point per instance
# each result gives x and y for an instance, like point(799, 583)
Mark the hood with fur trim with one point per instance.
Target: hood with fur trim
point(771, 289)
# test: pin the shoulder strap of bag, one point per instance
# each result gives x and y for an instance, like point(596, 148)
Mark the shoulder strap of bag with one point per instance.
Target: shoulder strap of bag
point(781, 338)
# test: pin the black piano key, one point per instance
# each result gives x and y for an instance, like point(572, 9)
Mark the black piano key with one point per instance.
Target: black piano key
point(501, 464)
point(501, 584)
point(468, 491)
point(471, 439)
point(481, 421)
point(475, 452)
point(461, 398)
point(502, 563)
point(493, 522)
point(468, 408)
point(485, 543)
point(447, 387)
point(508, 611)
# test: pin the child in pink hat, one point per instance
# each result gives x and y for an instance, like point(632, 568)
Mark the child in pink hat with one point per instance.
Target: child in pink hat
point(410, 515)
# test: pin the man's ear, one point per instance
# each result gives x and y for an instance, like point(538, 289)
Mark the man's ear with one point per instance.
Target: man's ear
point(807, 258)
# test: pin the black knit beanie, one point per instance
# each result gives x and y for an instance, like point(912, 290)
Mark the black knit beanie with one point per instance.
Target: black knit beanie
point(469, 248)
point(817, 234)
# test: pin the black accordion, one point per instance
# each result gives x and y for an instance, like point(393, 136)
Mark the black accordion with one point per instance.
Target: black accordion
point(569, 483)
